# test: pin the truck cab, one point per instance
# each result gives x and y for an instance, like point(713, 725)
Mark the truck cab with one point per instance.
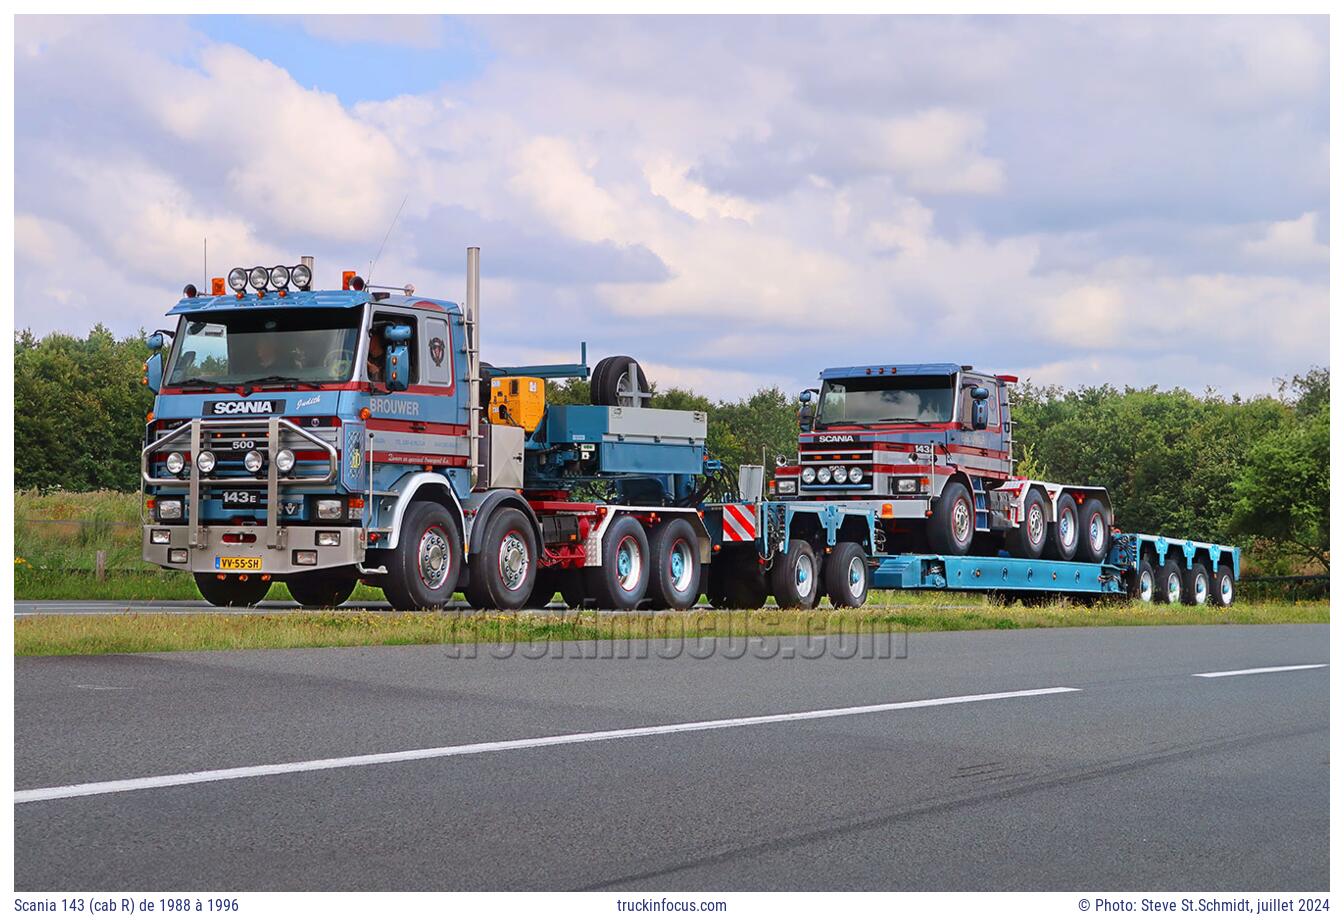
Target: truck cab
point(930, 447)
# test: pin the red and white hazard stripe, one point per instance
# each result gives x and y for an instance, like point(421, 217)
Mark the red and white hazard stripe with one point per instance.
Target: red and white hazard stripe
point(739, 523)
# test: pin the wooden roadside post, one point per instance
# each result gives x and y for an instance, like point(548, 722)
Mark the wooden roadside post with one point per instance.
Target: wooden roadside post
point(100, 563)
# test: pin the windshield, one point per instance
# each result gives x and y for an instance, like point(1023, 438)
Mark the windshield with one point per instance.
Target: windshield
point(865, 400)
point(249, 346)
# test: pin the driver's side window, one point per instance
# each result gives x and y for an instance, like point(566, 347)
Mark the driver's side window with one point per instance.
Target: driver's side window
point(384, 319)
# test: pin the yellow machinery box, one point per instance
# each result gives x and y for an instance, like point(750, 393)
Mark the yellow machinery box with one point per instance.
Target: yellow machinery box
point(519, 401)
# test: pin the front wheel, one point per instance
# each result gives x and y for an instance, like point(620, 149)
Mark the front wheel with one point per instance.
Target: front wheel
point(232, 590)
point(952, 527)
point(846, 575)
point(323, 590)
point(424, 569)
point(504, 570)
point(794, 577)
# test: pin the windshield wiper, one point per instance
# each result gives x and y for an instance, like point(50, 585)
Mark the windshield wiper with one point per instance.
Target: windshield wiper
point(198, 382)
point(269, 378)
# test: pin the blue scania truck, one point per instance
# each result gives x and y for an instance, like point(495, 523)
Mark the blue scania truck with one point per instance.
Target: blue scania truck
point(326, 437)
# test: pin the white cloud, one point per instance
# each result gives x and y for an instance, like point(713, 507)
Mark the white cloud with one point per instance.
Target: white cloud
point(1290, 241)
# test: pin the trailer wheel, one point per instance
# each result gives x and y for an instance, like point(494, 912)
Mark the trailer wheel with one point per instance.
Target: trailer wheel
point(1064, 536)
point(623, 578)
point(424, 569)
point(674, 583)
point(322, 589)
point(794, 578)
point(610, 384)
point(1196, 591)
point(543, 589)
point(1224, 587)
point(1027, 539)
point(232, 590)
point(1145, 582)
point(504, 569)
point(952, 527)
point(1094, 532)
point(846, 575)
point(1170, 583)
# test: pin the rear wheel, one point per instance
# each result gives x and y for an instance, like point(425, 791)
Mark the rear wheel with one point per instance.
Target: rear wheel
point(504, 569)
point(846, 575)
point(232, 590)
point(674, 583)
point(1027, 540)
point(424, 569)
point(1170, 583)
point(952, 527)
point(1224, 588)
point(1064, 532)
point(623, 578)
point(322, 589)
point(1094, 532)
point(1196, 588)
point(1145, 582)
point(793, 579)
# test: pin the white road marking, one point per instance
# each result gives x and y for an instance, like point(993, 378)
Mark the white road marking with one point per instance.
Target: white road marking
point(1287, 667)
point(490, 747)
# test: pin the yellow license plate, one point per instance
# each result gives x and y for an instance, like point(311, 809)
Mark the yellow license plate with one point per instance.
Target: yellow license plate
point(238, 563)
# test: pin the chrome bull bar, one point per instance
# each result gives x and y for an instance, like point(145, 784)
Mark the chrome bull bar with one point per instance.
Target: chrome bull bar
point(275, 535)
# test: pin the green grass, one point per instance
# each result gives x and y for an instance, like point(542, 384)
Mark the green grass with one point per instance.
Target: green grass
point(130, 632)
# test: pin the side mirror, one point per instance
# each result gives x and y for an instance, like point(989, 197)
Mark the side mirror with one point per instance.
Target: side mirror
point(805, 396)
point(397, 334)
point(155, 341)
point(397, 366)
point(154, 372)
point(979, 408)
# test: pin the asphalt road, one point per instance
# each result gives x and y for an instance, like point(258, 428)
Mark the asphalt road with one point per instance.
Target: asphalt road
point(1129, 772)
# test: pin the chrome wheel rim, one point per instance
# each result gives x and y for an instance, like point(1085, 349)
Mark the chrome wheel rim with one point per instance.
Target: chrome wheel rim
point(1173, 587)
point(513, 560)
point(803, 576)
point(858, 573)
point(1068, 532)
point(680, 566)
point(1035, 525)
point(1201, 589)
point(1225, 589)
point(1146, 586)
point(1096, 532)
point(961, 521)
point(433, 556)
point(629, 564)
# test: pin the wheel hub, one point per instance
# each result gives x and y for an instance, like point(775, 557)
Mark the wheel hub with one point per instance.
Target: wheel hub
point(679, 566)
point(513, 559)
point(856, 576)
point(629, 564)
point(433, 558)
point(961, 521)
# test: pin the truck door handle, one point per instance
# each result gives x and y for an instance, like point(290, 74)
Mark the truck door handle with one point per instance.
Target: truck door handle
point(417, 426)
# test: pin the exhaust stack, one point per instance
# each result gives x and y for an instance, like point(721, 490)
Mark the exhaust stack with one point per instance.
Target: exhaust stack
point(472, 319)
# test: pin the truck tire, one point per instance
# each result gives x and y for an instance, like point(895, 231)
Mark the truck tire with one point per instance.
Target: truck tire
point(323, 590)
point(426, 566)
point(1170, 585)
point(1144, 587)
point(1027, 539)
point(1224, 587)
point(846, 575)
point(231, 590)
point(504, 569)
point(952, 527)
point(543, 589)
point(1196, 589)
point(674, 582)
point(622, 579)
point(1094, 532)
point(1064, 532)
point(794, 579)
point(610, 383)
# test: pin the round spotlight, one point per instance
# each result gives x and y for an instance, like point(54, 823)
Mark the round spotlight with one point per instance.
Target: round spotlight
point(189, 291)
point(301, 276)
point(824, 475)
point(258, 277)
point(174, 462)
point(356, 283)
point(252, 461)
point(855, 475)
point(284, 461)
point(809, 474)
point(838, 474)
point(205, 461)
point(280, 277)
point(238, 280)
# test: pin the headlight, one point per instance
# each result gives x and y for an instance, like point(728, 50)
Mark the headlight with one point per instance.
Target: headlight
point(329, 509)
point(174, 462)
point(284, 461)
point(159, 536)
point(238, 280)
point(786, 487)
point(170, 509)
point(301, 276)
point(258, 277)
point(906, 485)
point(809, 475)
point(855, 474)
point(280, 277)
point(252, 461)
point(205, 461)
point(824, 475)
point(328, 538)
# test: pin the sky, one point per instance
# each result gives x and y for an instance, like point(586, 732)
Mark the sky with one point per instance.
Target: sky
point(735, 201)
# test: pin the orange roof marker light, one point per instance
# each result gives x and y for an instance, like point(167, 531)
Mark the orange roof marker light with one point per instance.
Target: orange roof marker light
point(217, 287)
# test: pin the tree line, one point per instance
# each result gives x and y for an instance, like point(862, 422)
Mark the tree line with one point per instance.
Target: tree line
point(1249, 471)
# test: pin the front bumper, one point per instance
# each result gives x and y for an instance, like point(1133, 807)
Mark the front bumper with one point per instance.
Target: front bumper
point(206, 554)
